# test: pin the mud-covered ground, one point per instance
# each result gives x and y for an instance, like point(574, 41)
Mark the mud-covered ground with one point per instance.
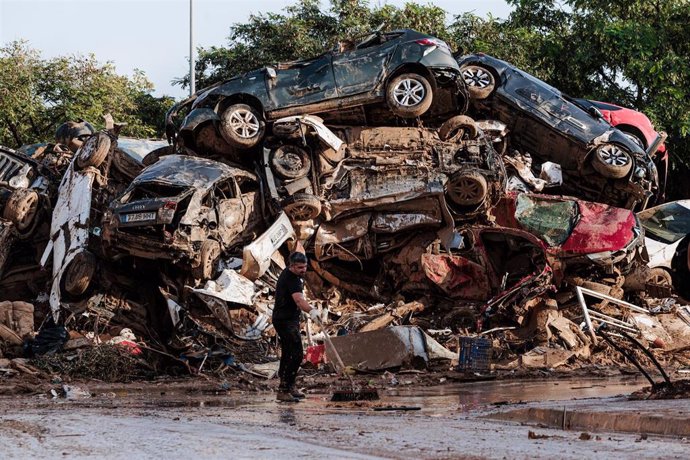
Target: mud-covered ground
point(207, 419)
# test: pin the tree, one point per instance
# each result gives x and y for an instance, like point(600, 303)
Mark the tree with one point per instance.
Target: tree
point(37, 95)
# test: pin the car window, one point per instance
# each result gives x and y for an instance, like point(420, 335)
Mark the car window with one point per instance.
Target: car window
point(225, 190)
point(668, 223)
point(550, 220)
point(247, 184)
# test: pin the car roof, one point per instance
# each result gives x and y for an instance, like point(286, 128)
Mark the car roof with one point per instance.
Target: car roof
point(187, 171)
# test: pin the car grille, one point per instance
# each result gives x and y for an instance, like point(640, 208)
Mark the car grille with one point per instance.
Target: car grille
point(8, 167)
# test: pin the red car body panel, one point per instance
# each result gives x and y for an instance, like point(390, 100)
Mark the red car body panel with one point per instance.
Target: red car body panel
point(599, 227)
point(622, 116)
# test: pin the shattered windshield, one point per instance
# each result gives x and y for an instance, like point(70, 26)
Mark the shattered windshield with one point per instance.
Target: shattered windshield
point(668, 223)
point(552, 221)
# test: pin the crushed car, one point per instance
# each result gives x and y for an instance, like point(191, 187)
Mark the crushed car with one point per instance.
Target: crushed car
point(577, 232)
point(187, 210)
point(667, 233)
point(598, 161)
point(404, 68)
point(346, 170)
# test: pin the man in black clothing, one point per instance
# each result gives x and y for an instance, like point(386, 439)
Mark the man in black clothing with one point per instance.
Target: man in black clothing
point(289, 304)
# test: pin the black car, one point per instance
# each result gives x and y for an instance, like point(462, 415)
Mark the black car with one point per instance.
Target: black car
point(404, 68)
point(599, 162)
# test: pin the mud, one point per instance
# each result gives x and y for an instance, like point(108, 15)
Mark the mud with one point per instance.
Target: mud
point(185, 418)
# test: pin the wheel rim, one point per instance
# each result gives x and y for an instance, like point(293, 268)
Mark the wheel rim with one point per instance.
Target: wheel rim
point(477, 77)
point(27, 211)
point(409, 92)
point(291, 161)
point(659, 278)
point(613, 156)
point(464, 189)
point(244, 123)
point(302, 212)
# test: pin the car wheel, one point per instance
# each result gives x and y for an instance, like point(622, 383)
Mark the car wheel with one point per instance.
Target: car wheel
point(21, 209)
point(659, 276)
point(467, 188)
point(302, 206)
point(458, 128)
point(242, 126)
point(479, 80)
point(290, 161)
point(611, 161)
point(209, 254)
point(79, 273)
point(94, 151)
point(409, 95)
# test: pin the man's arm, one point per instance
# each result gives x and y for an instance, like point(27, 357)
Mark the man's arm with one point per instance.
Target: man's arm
point(301, 302)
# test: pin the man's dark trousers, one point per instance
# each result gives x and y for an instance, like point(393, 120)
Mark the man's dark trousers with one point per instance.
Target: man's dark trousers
point(291, 351)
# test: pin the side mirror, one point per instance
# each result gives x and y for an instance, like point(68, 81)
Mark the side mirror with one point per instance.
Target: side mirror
point(271, 72)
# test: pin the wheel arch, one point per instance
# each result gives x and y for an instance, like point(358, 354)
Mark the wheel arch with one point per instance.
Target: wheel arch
point(413, 67)
point(240, 98)
point(626, 128)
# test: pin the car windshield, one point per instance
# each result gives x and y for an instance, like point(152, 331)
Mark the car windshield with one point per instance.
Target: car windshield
point(550, 220)
point(668, 223)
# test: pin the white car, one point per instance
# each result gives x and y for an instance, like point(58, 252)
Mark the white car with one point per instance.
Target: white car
point(666, 227)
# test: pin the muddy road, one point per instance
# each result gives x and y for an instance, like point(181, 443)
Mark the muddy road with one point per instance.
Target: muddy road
point(208, 421)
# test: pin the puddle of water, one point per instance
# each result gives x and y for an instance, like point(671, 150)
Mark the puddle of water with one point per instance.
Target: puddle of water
point(474, 395)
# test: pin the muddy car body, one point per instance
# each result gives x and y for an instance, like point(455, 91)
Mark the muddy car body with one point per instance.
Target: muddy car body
point(185, 209)
point(667, 233)
point(576, 232)
point(403, 68)
point(372, 168)
point(599, 162)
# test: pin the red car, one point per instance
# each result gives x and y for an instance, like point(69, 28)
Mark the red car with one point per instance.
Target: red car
point(575, 232)
point(640, 130)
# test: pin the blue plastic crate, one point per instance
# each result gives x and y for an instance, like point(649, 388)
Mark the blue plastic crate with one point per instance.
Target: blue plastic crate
point(475, 354)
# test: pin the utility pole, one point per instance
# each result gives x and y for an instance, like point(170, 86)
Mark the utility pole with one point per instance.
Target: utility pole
point(192, 82)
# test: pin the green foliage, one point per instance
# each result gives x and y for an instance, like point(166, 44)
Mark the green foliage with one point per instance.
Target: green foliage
point(37, 95)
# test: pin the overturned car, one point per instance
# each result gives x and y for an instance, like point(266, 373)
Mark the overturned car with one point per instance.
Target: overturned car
point(187, 210)
point(599, 162)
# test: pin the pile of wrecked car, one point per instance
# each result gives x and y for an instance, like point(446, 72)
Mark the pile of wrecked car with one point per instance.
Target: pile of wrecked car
point(440, 199)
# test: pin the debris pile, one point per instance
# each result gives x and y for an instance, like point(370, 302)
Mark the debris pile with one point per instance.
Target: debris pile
point(453, 209)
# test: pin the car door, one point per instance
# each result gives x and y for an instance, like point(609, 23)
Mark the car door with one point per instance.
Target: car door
point(302, 82)
point(359, 70)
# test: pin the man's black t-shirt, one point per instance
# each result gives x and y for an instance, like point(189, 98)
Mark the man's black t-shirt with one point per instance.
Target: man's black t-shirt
point(285, 307)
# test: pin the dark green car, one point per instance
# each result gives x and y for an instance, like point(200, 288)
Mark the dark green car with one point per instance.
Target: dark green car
point(404, 68)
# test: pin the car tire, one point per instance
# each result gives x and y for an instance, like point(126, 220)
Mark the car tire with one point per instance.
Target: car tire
point(479, 80)
point(467, 188)
point(79, 273)
point(409, 95)
point(659, 276)
point(635, 138)
point(302, 206)
point(458, 128)
point(290, 161)
point(611, 161)
point(21, 209)
point(242, 126)
point(94, 151)
point(209, 254)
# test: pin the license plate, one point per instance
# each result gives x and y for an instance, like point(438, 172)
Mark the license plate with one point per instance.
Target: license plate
point(138, 217)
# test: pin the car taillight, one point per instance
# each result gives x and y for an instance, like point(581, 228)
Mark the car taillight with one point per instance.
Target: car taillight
point(433, 42)
point(167, 212)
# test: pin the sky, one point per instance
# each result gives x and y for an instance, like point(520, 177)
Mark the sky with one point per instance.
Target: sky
point(153, 35)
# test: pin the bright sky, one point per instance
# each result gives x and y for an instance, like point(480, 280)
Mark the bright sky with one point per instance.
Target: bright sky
point(153, 35)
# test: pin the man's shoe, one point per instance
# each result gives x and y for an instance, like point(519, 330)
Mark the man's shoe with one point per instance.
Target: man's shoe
point(286, 396)
point(297, 394)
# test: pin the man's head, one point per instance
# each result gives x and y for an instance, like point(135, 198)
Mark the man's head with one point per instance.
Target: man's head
point(298, 263)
